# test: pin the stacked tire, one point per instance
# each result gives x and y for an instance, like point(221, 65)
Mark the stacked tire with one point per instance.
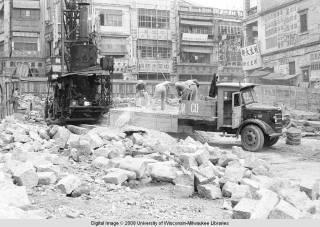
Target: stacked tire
point(293, 136)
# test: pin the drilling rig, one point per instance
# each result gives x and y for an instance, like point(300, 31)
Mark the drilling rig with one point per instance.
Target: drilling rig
point(82, 93)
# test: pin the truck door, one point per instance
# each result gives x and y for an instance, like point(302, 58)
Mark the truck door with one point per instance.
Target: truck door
point(236, 110)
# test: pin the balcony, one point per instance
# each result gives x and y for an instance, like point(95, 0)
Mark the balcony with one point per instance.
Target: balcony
point(252, 11)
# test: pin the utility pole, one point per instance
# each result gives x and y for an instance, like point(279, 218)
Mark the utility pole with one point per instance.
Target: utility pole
point(62, 37)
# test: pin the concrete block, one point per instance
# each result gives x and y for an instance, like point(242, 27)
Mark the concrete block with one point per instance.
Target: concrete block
point(101, 152)
point(226, 158)
point(25, 175)
point(83, 189)
point(209, 191)
point(12, 195)
point(188, 160)
point(62, 136)
point(68, 184)
point(46, 178)
point(202, 156)
point(268, 200)
point(244, 209)
point(162, 172)
point(102, 163)
point(137, 165)
point(94, 140)
point(77, 130)
point(228, 188)
point(184, 178)
point(297, 198)
point(285, 210)
point(130, 174)
point(21, 138)
point(116, 177)
point(234, 173)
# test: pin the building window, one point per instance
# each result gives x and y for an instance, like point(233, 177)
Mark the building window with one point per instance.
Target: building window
point(305, 75)
point(303, 22)
point(292, 68)
point(111, 18)
point(158, 49)
point(151, 18)
point(196, 30)
point(189, 57)
point(12, 64)
point(26, 14)
point(25, 43)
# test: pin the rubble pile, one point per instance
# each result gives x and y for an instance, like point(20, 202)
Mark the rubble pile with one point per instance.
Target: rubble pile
point(31, 155)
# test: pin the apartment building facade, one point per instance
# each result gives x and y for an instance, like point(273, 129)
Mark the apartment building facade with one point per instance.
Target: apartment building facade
point(209, 42)
point(287, 33)
point(21, 43)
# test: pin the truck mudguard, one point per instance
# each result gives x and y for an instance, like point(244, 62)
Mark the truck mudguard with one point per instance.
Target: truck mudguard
point(266, 128)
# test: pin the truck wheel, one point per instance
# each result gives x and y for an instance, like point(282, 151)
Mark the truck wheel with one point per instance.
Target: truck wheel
point(268, 141)
point(252, 138)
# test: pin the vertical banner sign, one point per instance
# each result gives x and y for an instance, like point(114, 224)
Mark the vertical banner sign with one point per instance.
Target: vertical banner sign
point(251, 58)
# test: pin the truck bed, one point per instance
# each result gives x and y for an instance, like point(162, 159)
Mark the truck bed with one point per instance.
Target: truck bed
point(173, 119)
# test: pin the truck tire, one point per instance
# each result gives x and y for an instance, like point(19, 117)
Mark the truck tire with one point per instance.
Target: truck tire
point(268, 141)
point(252, 138)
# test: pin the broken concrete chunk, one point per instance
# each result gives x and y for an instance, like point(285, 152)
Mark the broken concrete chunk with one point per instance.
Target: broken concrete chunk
point(202, 156)
point(241, 191)
point(46, 178)
point(254, 185)
point(316, 190)
point(21, 138)
point(226, 158)
point(234, 173)
point(137, 165)
point(101, 152)
point(162, 172)
point(77, 130)
point(25, 174)
point(184, 178)
point(94, 140)
point(188, 160)
point(83, 189)
point(244, 209)
point(43, 134)
point(209, 191)
point(238, 151)
point(102, 163)
point(130, 174)
point(228, 188)
point(116, 177)
point(297, 198)
point(61, 136)
point(12, 195)
point(284, 210)
point(268, 200)
point(68, 184)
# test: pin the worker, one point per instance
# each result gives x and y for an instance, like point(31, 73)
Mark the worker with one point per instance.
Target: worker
point(161, 91)
point(213, 86)
point(15, 100)
point(287, 123)
point(142, 96)
point(187, 90)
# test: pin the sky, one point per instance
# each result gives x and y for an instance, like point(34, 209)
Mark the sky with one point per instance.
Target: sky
point(221, 4)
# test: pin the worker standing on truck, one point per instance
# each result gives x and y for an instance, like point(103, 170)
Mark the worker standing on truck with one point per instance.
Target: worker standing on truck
point(187, 90)
point(161, 91)
point(213, 86)
point(142, 96)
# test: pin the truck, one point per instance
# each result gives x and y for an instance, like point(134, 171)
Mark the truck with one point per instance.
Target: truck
point(235, 110)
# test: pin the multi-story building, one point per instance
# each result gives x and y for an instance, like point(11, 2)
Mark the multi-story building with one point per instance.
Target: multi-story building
point(209, 42)
point(287, 34)
point(21, 42)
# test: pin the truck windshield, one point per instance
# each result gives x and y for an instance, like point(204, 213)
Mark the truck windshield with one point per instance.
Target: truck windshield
point(249, 96)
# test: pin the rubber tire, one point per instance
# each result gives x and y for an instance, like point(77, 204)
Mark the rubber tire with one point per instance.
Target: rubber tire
point(268, 142)
point(257, 138)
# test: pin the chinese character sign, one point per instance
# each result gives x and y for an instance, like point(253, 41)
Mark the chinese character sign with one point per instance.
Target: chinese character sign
point(251, 58)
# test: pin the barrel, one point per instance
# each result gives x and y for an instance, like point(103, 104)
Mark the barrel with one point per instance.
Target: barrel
point(293, 136)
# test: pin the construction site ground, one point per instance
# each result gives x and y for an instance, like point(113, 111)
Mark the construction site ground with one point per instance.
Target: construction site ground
point(157, 201)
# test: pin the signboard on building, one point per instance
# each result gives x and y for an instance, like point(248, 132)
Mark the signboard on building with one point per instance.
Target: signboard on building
point(154, 66)
point(194, 37)
point(251, 57)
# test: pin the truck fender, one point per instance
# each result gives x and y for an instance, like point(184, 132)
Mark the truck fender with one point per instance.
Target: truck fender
point(266, 128)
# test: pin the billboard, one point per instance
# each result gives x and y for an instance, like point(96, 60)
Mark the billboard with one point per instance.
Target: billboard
point(251, 57)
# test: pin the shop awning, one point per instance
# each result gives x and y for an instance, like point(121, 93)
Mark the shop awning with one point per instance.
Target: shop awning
point(259, 73)
point(198, 23)
point(197, 50)
point(26, 4)
point(279, 76)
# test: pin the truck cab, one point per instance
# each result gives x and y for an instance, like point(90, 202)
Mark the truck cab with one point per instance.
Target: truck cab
point(235, 110)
